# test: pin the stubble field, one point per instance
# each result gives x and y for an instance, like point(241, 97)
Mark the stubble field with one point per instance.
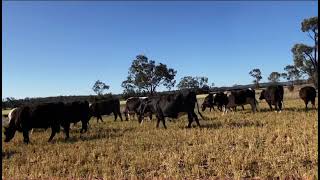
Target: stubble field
point(236, 145)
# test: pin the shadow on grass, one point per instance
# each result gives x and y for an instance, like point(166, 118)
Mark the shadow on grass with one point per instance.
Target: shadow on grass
point(212, 125)
point(96, 134)
point(242, 124)
point(234, 124)
point(8, 154)
point(293, 109)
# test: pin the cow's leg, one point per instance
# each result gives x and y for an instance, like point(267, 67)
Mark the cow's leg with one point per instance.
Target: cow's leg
point(127, 116)
point(313, 103)
point(150, 116)
point(163, 122)
point(280, 106)
point(99, 117)
point(196, 118)
point(158, 121)
point(269, 103)
point(242, 107)
point(190, 119)
point(84, 126)
point(66, 130)
point(253, 106)
point(53, 133)
point(119, 113)
point(306, 104)
point(115, 115)
point(25, 132)
point(276, 106)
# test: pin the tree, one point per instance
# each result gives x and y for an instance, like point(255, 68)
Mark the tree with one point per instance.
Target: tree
point(274, 77)
point(256, 73)
point(99, 87)
point(304, 56)
point(292, 74)
point(145, 75)
point(193, 82)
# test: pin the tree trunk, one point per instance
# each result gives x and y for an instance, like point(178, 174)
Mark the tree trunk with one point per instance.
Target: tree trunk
point(315, 78)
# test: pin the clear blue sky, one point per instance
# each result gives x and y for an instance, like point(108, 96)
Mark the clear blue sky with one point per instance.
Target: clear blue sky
point(62, 48)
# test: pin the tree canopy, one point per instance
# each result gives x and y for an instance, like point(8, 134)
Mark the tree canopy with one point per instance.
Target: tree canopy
point(193, 82)
point(305, 56)
point(256, 73)
point(99, 87)
point(146, 75)
point(274, 77)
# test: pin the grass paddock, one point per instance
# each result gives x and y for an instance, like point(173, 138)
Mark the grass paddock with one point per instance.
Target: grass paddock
point(235, 145)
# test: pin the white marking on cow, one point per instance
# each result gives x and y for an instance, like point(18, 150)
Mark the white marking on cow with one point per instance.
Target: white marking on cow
point(280, 111)
point(10, 113)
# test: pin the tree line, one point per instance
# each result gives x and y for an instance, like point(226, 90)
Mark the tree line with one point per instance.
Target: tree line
point(305, 59)
point(145, 75)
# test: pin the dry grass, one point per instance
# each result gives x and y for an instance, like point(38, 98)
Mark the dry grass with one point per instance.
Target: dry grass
point(236, 145)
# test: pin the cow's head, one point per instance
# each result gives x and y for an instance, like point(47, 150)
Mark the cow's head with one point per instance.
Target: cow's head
point(9, 133)
point(262, 95)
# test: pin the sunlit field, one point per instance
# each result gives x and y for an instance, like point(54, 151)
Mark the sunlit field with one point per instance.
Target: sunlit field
point(235, 145)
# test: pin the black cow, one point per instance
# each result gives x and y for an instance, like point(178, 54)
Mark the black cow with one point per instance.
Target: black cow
point(273, 94)
point(208, 102)
point(133, 106)
point(170, 105)
point(75, 112)
point(47, 115)
point(221, 100)
point(106, 107)
point(240, 98)
point(307, 94)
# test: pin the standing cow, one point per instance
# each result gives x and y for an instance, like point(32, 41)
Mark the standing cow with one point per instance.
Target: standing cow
point(106, 107)
point(240, 98)
point(75, 112)
point(133, 107)
point(307, 94)
point(47, 115)
point(171, 105)
point(274, 96)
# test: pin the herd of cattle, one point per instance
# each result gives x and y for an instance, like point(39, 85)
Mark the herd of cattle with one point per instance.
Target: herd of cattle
point(57, 115)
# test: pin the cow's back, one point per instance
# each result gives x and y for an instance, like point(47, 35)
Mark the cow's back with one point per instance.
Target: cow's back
point(307, 93)
point(105, 107)
point(42, 115)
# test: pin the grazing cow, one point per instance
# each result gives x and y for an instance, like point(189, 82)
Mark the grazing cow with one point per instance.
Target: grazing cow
point(171, 105)
point(47, 115)
point(273, 94)
point(13, 114)
point(132, 106)
point(106, 107)
point(208, 102)
point(307, 94)
point(240, 98)
point(75, 112)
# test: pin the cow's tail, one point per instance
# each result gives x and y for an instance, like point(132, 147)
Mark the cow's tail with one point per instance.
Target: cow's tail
point(199, 110)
